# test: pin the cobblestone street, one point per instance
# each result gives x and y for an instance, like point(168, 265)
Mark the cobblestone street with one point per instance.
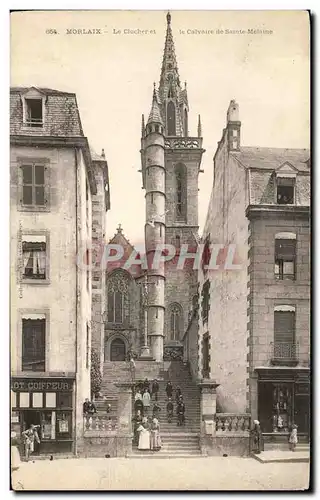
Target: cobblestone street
point(228, 473)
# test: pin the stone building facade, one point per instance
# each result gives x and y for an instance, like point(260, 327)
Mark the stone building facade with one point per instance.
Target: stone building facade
point(52, 182)
point(254, 305)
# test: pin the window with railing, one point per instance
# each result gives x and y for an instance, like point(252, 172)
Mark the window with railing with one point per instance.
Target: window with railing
point(285, 256)
point(284, 346)
point(34, 257)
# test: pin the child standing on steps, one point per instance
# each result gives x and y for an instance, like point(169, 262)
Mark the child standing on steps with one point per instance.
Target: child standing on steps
point(293, 438)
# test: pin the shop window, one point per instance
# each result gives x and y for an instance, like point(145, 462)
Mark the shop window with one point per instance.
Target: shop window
point(285, 190)
point(64, 400)
point(282, 407)
point(63, 425)
point(24, 400)
point(34, 257)
point(48, 425)
point(50, 399)
point(37, 400)
point(33, 344)
point(285, 256)
point(33, 185)
point(13, 399)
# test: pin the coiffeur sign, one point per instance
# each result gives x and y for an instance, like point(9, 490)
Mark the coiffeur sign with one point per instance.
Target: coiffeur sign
point(41, 385)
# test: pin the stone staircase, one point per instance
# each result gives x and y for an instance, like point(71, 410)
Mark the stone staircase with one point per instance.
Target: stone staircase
point(177, 442)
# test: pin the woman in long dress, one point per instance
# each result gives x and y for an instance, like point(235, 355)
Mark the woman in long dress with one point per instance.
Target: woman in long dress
point(155, 439)
point(144, 435)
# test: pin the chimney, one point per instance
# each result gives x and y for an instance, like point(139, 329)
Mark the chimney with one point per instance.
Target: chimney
point(233, 126)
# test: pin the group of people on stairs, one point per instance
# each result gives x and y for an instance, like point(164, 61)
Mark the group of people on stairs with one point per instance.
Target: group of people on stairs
point(146, 424)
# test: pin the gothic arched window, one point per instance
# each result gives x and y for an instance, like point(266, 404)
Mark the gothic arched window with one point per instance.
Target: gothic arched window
point(171, 119)
point(186, 123)
point(117, 297)
point(181, 191)
point(175, 321)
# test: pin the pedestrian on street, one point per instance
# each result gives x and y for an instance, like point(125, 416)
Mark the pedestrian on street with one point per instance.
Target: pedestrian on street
point(170, 410)
point(138, 403)
point(155, 389)
point(178, 394)
point(146, 400)
point(155, 410)
point(169, 390)
point(146, 385)
point(181, 412)
point(293, 438)
point(257, 440)
point(30, 436)
point(155, 439)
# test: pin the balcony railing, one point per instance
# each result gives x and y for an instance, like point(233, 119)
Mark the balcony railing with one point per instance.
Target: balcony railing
point(284, 353)
point(183, 143)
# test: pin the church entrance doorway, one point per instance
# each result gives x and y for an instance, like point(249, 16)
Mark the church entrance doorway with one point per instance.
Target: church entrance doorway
point(117, 350)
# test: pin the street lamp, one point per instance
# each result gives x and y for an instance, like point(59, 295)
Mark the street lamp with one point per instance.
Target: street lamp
point(145, 349)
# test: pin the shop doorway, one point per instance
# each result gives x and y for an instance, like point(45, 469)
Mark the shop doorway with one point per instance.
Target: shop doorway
point(32, 417)
point(302, 414)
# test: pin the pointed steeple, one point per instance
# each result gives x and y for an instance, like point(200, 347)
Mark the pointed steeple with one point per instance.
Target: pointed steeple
point(143, 128)
point(199, 127)
point(155, 114)
point(169, 78)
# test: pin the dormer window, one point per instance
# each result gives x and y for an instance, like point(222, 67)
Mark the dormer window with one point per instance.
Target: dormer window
point(34, 115)
point(33, 108)
point(285, 190)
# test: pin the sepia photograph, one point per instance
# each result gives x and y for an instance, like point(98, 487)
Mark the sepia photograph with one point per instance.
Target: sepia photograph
point(160, 239)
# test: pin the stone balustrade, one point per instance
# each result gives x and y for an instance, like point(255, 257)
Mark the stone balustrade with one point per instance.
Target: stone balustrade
point(95, 424)
point(232, 423)
point(183, 143)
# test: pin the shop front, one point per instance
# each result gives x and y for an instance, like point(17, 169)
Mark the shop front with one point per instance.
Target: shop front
point(48, 403)
point(283, 400)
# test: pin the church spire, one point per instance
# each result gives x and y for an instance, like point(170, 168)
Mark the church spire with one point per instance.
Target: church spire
point(155, 114)
point(169, 78)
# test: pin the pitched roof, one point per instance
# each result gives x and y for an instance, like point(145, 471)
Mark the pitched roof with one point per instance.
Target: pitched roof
point(272, 158)
point(155, 115)
point(45, 90)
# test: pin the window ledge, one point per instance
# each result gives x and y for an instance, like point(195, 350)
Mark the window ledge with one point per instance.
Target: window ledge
point(35, 282)
point(24, 126)
point(33, 208)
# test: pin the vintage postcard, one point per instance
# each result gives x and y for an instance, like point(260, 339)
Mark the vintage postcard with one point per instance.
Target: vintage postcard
point(160, 250)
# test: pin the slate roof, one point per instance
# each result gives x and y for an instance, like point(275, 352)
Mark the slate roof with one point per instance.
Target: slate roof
point(272, 158)
point(45, 90)
point(61, 117)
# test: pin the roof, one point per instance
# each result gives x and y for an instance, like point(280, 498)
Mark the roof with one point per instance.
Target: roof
point(155, 115)
point(272, 158)
point(45, 90)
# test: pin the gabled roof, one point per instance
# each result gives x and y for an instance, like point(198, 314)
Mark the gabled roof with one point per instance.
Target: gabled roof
point(43, 90)
point(273, 158)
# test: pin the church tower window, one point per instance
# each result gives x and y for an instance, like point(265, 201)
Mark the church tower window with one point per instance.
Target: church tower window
point(175, 321)
point(181, 181)
point(171, 119)
point(117, 297)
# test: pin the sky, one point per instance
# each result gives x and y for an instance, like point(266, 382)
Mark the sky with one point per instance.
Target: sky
point(112, 74)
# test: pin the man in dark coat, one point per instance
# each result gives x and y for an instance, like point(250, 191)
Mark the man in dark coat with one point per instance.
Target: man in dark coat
point(146, 385)
point(155, 389)
point(169, 410)
point(88, 407)
point(181, 411)
point(169, 390)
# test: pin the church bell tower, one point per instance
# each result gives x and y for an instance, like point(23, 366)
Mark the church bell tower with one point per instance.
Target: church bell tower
point(171, 161)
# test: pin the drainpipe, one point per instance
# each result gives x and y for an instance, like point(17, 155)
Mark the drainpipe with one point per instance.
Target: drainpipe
point(76, 322)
